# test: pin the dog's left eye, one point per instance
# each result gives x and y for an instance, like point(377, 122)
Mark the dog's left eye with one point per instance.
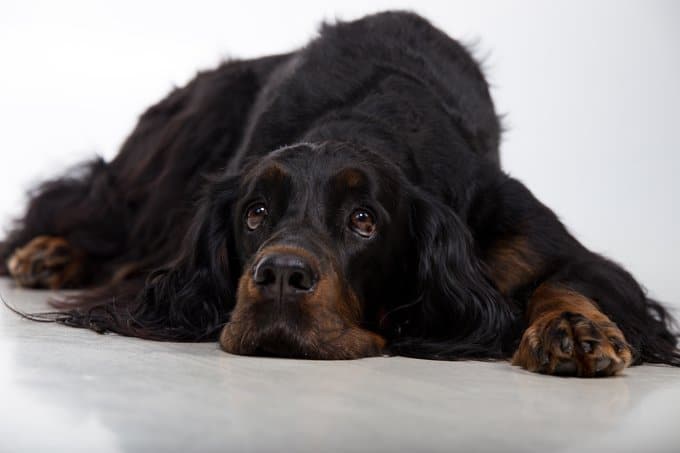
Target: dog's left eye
point(362, 222)
point(256, 215)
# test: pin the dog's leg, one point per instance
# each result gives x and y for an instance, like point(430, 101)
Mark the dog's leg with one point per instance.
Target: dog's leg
point(569, 335)
point(47, 262)
point(69, 219)
point(586, 315)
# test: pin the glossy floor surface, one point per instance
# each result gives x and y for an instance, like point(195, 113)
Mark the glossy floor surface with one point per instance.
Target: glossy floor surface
point(64, 389)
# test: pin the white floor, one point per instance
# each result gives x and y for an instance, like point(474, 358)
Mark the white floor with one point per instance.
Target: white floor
point(65, 389)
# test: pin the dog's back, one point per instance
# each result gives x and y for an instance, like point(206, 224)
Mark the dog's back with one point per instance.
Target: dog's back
point(391, 71)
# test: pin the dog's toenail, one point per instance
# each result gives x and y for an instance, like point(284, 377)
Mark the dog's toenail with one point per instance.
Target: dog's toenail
point(567, 345)
point(602, 363)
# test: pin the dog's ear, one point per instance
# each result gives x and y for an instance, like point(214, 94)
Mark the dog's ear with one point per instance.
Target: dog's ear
point(456, 311)
point(190, 298)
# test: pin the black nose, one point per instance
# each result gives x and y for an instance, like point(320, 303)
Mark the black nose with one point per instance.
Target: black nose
point(284, 274)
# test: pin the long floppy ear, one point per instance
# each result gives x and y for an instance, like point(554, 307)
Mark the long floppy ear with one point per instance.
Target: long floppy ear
point(456, 311)
point(188, 299)
point(191, 297)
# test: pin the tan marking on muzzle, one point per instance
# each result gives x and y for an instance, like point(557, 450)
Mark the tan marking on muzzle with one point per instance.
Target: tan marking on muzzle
point(334, 309)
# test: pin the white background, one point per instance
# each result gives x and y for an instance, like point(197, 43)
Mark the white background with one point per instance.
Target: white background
point(591, 92)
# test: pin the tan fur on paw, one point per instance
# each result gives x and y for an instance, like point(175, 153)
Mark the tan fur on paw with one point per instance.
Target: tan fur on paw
point(585, 344)
point(46, 262)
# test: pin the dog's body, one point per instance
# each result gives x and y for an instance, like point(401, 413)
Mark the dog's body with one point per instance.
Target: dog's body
point(336, 202)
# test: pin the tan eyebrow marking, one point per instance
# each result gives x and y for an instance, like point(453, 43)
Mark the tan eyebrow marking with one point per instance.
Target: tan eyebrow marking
point(274, 171)
point(350, 177)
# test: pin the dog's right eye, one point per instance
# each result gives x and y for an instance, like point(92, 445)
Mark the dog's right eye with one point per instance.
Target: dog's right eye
point(362, 222)
point(256, 215)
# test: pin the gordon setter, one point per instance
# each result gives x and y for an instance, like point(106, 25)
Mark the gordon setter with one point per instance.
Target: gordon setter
point(340, 201)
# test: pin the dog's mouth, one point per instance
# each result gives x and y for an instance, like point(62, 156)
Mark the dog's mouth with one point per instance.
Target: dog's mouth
point(288, 307)
point(277, 340)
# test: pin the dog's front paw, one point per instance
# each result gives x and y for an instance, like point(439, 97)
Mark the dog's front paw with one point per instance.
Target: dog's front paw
point(574, 344)
point(46, 262)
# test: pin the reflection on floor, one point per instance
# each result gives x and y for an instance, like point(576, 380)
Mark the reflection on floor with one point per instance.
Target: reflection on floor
point(65, 389)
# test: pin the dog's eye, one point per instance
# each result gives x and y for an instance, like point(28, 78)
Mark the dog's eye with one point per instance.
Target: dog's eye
point(255, 216)
point(361, 221)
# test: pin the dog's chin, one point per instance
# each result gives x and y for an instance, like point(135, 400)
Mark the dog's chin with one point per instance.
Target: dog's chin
point(283, 341)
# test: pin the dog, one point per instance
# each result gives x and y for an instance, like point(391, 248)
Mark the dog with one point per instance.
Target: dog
point(341, 201)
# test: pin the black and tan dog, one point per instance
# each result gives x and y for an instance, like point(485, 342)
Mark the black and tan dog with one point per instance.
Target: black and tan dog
point(340, 201)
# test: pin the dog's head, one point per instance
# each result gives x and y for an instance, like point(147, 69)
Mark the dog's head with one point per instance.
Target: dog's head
point(328, 252)
point(312, 225)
